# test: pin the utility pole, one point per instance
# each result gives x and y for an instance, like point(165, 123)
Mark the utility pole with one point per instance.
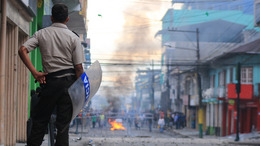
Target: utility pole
point(198, 79)
point(199, 88)
point(238, 90)
point(197, 68)
point(178, 91)
point(152, 87)
point(168, 101)
point(140, 99)
point(165, 99)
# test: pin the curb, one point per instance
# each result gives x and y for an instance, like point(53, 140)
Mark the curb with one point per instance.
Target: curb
point(245, 143)
point(234, 143)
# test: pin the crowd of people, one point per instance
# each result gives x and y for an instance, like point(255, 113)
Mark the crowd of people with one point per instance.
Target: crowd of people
point(86, 119)
point(139, 120)
point(147, 119)
point(169, 120)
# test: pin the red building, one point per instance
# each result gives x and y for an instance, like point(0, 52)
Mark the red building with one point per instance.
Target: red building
point(249, 109)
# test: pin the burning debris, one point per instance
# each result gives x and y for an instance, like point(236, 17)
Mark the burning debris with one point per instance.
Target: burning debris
point(116, 125)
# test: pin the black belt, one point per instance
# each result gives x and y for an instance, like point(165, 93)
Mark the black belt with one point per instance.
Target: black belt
point(61, 72)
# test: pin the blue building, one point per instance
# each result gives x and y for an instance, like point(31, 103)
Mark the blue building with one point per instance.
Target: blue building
point(221, 29)
point(223, 79)
point(246, 6)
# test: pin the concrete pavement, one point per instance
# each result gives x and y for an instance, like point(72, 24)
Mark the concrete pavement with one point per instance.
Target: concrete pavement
point(252, 138)
point(186, 137)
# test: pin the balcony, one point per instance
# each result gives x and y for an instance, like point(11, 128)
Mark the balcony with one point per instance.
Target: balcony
point(247, 91)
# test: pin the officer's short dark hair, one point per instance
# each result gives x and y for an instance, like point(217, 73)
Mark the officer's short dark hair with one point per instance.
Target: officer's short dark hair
point(59, 12)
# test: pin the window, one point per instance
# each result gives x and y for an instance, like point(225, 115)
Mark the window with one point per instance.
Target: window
point(212, 81)
point(193, 87)
point(247, 75)
point(231, 75)
point(222, 78)
point(187, 86)
point(219, 79)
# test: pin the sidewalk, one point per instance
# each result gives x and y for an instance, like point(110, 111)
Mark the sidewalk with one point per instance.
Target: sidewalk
point(252, 138)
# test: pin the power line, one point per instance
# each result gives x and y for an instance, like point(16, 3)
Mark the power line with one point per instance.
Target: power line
point(125, 60)
point(149, 25)
point(191, 63)
point(224, 32)
point(205, 1)
point(124, 55)
point(234, 38)
point(151, 2)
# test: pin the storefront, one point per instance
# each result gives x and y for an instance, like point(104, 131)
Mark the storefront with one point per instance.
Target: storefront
point(249, 110)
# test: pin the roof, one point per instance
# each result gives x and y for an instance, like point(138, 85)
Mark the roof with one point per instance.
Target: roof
point(212, 31)
point(252, 48)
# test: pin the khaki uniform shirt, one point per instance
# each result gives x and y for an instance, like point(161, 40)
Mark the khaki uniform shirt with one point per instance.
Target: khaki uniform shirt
point(60, 48)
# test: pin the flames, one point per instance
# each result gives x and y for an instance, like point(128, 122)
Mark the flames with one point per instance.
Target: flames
point(116, 126)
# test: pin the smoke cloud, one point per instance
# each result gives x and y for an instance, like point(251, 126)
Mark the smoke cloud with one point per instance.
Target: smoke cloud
point(136, 44)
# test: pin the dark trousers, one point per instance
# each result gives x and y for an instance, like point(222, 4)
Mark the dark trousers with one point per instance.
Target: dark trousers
point(94, 124)
point(54, 94)
point(150, 125)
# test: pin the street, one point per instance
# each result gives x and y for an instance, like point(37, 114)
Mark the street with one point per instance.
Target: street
point(132, 137)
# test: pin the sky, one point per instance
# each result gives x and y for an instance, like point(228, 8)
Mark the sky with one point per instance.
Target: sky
point(106, 30)
point(122, 31)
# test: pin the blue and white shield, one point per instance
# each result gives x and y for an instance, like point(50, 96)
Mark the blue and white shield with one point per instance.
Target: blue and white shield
point(85, 87)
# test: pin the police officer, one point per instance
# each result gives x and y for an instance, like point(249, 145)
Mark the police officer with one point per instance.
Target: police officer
point(62, 58)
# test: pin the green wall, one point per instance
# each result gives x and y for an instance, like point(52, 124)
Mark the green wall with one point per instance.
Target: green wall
point(35, 55)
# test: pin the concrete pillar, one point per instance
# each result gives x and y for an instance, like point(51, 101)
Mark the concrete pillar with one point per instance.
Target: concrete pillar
point(2, 70)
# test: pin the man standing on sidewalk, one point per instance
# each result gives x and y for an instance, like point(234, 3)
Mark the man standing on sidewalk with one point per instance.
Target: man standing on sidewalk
point(62, 58)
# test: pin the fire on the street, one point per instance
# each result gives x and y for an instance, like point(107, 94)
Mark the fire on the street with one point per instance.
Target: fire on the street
point(115, 125)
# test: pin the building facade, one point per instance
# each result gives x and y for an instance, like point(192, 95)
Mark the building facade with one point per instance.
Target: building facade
point(223, 80)
point(14, 81)
point(214, 38)
point(19, 20)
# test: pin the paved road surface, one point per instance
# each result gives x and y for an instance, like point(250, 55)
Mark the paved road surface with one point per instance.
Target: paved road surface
point(133, 137)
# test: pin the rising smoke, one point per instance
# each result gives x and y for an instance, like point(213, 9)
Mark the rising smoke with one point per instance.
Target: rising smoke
point(135, 45)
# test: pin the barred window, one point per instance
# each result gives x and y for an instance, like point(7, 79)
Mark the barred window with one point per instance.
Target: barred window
point(212, 81)
point(222, 78)
point(231, 75)
point(247, 75)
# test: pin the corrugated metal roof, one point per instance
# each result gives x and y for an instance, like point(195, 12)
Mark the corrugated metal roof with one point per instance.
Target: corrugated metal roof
point(212, 31)
point(252, 48)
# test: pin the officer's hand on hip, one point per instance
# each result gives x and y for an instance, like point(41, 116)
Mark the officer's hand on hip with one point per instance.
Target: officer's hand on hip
point(40, 77)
